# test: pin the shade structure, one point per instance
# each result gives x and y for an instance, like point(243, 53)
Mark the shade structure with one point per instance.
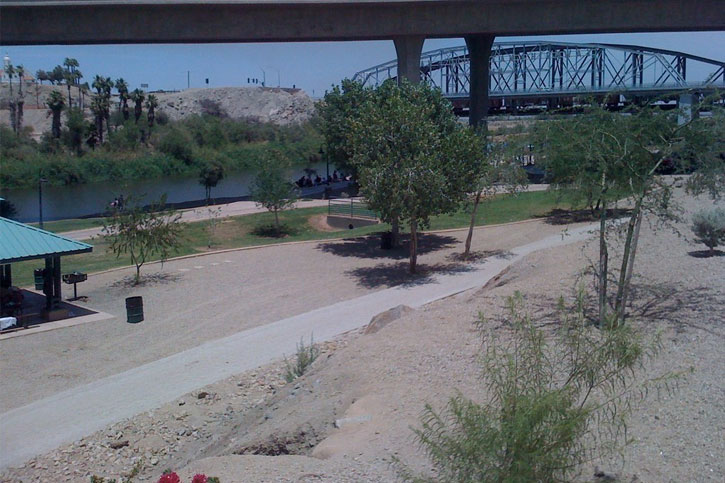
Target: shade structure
point(19, 242)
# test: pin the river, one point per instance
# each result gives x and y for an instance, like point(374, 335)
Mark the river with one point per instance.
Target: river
point(75, 201)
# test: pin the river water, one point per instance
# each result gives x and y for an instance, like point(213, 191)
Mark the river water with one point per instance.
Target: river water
point(74, 201)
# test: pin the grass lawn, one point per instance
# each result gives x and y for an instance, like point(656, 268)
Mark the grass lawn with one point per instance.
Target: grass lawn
point(70, 224)
point(241, 231)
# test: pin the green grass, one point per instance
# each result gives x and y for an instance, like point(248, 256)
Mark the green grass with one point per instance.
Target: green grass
point(238, 231)
point(72, 224)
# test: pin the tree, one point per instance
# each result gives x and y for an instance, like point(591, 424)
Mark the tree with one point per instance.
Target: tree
point(20, 71)
point(403, 147)
point(75, 130)
point(143, 233)
point(271, 187)
point(615, 156)
point(56, 104)
point(209, 177)
point(493, 171)
point(122, 88)
point(101, 105)
point(138, 97)
point(337, 111)
point(41, 76)
point(10, 71)
point(151, 104)
point(20, 102)
point(709, 228)
point(57, 75)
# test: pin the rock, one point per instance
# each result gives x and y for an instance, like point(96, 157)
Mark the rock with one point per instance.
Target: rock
point(119, 444)
point(384, 318)
point(202, 395)
point(364, 418)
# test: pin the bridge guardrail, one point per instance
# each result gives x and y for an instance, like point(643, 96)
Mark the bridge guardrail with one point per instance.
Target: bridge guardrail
point(350, 208)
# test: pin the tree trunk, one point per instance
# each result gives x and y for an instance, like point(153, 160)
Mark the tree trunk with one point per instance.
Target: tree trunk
point(395, 232)
point(603, 256)
point(625, 274)
point(70, 99)
point(19, 115)
point(276, 221)
point(413, 245)
point(469, 238)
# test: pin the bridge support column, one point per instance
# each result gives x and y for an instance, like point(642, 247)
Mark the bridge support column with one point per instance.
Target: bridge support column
point(479, 50)
point(685, 107)
point(408, 50)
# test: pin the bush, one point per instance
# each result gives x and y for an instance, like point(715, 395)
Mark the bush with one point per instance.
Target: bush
point(175, 143)
point(709, 227)
point(305, 356)
point(551, 407)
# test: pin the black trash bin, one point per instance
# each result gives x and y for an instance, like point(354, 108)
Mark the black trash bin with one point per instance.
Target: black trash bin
point(134, 309)
point(386, 240)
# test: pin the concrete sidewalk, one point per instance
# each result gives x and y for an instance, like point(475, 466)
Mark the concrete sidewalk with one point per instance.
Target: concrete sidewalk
point(67, 416)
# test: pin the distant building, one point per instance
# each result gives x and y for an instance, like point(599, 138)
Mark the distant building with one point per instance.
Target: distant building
point(28, 78)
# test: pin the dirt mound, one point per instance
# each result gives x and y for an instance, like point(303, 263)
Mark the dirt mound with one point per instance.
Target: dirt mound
point(262, 104)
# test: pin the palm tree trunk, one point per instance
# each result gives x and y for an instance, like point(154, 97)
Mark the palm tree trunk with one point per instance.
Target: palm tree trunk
point(469, 238)
point(413, 245)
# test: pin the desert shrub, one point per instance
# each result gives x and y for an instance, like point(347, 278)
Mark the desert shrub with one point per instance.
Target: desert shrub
point(306, 355)
point(212, 108)
point(709, 227)
point(554, 403)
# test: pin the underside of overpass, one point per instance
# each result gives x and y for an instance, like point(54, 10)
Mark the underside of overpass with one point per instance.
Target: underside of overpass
point(407, 22)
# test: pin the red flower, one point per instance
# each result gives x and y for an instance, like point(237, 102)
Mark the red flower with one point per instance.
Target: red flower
point(199, 479)
point(170, 478)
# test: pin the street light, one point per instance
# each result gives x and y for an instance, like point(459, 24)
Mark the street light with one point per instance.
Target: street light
point(41, 180)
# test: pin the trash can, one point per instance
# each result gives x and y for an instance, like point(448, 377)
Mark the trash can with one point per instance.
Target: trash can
point(386, 240)
point(134, 309)
point(38, 278)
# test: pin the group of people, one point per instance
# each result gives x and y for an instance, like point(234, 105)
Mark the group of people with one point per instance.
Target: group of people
point(308, 182)
point(117, 203)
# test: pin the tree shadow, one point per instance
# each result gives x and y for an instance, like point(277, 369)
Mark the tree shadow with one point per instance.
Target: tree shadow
point(706, 253)
point(559, 216)
point(397, 274)
point(480, 256)
point(150, 280)
point(369, 246)
point(271, 231)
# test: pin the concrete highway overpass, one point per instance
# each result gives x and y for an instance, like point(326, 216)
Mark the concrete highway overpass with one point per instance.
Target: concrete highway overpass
point(407, 22)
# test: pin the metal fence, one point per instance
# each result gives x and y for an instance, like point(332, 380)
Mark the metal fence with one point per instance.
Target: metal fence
point(350, 208)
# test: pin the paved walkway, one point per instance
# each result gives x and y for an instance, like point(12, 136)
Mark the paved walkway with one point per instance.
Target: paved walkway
point(202, 213)
point(67, 416)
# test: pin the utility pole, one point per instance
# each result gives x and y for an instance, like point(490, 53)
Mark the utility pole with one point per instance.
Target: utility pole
point(41, 180)
point(188, 79)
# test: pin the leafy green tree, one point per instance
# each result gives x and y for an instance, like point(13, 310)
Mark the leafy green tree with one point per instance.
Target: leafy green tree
point(57, 75)
point(75, 131)
point(41, 76)
point(56, 104)
point(143, 233)
point(337, 111)
point(271, 187)
point(403, 146)
point(614, 155)
point(493, 170)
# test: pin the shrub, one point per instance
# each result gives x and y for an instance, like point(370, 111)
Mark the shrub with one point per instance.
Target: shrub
point(709, 227)
point(552, 404)
point(175, 143)
point(306, 355)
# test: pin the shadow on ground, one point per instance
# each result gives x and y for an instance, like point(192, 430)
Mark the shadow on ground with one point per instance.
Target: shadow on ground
point(369, 246)
point(480, 256)
point(392, 275)
point(706, 253)
point(559, 216)
point(146, 280)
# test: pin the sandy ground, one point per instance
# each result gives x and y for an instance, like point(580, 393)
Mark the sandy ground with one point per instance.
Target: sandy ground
point(377, 384)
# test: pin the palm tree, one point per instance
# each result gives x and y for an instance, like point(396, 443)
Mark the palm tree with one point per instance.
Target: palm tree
point(138, 97)
point(20, 70)
point(122, 88)
point(99, 106)
point(71, 66)
point(10, 71)
point(41, 76)
point(151, 104)
point(68, 78)
point(77, 76)
point(21, 101)
point(102, 100)
point(56, 103)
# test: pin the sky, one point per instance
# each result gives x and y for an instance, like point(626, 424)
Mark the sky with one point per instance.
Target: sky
point(312, 66)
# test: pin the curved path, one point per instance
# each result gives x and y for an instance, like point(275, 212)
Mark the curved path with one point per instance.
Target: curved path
point(71, 414)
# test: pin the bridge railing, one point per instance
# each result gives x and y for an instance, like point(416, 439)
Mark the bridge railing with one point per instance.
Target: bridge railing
point(350, 208)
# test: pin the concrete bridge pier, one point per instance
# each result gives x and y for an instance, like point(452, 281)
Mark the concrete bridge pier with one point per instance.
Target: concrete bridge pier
point(408, 50)
point(479, 50)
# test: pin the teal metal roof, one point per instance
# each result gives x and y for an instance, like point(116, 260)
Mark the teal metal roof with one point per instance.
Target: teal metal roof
point(20, 242)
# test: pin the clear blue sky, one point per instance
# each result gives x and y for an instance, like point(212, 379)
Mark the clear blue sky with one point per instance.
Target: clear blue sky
point(311, 66)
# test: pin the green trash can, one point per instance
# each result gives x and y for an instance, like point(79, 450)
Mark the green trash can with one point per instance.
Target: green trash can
point(134, 309)
point(38, 278)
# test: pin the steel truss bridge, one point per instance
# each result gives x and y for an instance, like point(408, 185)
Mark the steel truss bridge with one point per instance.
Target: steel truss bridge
point(555, 73)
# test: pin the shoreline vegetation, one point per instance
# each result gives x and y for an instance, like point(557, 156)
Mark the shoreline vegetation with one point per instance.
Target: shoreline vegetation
point(135, 150)
point(249, 230)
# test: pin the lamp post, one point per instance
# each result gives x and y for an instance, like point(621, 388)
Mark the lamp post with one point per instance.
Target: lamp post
point(41, 180)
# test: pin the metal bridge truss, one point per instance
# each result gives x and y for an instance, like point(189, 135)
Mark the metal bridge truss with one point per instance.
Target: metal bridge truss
point(520, 70)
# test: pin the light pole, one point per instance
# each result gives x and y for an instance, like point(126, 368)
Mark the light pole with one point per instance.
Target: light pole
point(41, 180)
